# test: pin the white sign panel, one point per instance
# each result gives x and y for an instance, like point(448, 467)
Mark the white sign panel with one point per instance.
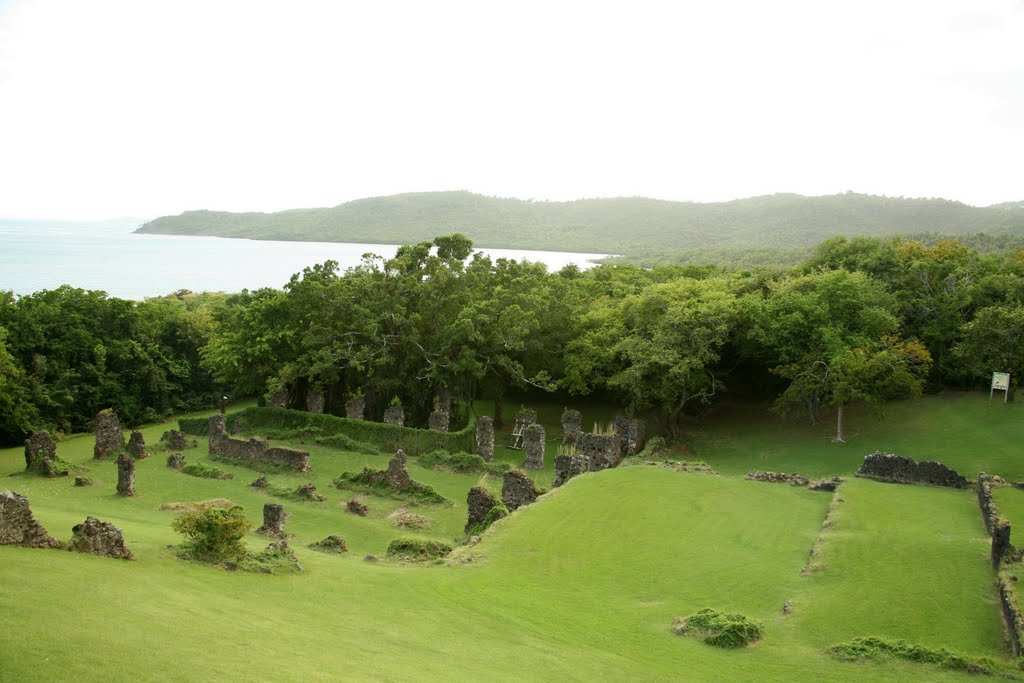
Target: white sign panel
point(1001, 380)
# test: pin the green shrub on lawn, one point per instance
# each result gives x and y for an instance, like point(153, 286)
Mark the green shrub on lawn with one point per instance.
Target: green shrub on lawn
point(719, 629)
point(214, 534)
point(203, 471)
point(460, 463)
point(417, 548)
point(876, 649)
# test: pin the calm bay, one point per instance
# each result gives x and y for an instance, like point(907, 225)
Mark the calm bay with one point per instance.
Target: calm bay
point(37, 255)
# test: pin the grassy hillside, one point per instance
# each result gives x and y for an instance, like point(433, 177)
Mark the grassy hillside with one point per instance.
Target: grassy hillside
point(620, 225)
point(582, 585)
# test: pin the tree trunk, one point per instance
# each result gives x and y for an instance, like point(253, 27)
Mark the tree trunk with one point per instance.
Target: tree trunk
point(499, 393)
point(840, 426)
point(812, 411)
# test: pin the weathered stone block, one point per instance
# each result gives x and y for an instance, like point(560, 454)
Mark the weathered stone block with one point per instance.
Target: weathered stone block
point(1000, 542)
point(485, 437)
point(99, 538)
point(137, 445)
point(18, 526)
point(109, 437)
point(314, 401)
point(533, 444)
point(517, 490)
point(355, 408)
point(630, 433)
point(438, 421)
point(601, 452)
point(177, 441)
point(569, 466)
point(397, 474)
point(39, 446)
point(273, 520)
point(176, 461)
point(479, 501)
point(902, 470)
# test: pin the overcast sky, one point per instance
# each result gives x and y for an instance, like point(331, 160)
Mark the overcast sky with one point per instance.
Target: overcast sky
point(143, 108)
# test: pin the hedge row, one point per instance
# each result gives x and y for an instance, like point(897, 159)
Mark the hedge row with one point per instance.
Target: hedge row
point(388, 438)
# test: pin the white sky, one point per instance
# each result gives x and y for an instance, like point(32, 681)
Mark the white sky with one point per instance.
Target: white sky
point(143, 107)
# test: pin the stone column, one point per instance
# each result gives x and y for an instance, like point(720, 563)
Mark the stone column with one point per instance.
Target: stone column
point(40, 445)
point(398, 476)
point(533, 443)
point(438, 421)
point(517, 490)
point(355, 408)
point(218, 433)
point(314, 401)
point(485, 437)
point(395, 415)
point(571, 426)
point(273, 520)
point(137, 445)
point(125, 475)
point(109, 438)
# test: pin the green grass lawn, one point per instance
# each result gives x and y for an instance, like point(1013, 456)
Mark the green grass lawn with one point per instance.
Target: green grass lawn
point(582, 585)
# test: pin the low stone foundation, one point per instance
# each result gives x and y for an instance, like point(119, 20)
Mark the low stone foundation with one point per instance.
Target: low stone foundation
point(987, 503)
point(480, 501)
point(177, 441)
point(99, 538)
point(779, 478)
point(256, 451)
point(357, 507)
point(568, 466)
point(1012, 619)
point(899, 469)
point(517, 490)
point(630, 433)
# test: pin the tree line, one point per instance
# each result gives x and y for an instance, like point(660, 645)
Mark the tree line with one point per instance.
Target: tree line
point(860, 320)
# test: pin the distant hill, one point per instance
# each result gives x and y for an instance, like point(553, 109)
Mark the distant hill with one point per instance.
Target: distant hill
point(621, 225)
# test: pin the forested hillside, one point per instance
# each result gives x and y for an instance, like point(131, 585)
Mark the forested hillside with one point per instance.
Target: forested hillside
point(622, 225)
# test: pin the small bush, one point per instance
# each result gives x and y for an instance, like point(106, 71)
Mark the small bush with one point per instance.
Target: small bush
point(347, 443)
point(460, 463)
point(417, 548)
point(276, 558)
point(881, 649)
point(497, 512)
point(719, 629)
point(214, 533)
point(375, 481)
point(198, 469)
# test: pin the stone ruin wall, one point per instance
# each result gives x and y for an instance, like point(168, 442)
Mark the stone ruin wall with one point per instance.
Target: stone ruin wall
point(533, 444)
point(572, 422)
point(394, 415)
point(439, 421)
point(254, 450)
point(99, 538)
point(125, 475)
point(355, 408)
point(517, 490)
point(18, 526)
point(485, 437)
point(1011, 614)
point(899, 469)
point(601, 452)
point(39, 444)
point(278, 399)
point(631, 435)
point(479, 501)
point(109, 437)
point(569, 466)
point(314, 401)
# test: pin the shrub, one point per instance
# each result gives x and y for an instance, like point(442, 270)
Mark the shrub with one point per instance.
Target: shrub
point(461, 463)
point(496, 513)
point(881, 649)
point(375, 481)
point(417, 548)
point(719, 629)
point(347, 443)
point(203, 471)
point(214, 533)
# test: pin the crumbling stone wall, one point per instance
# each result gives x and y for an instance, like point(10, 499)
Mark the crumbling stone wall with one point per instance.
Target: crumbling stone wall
point(125, 475)
point(600, 451)
point(99, 538)
point(438, 421)
point(331, 544)
point(253, 450)
point(1000, 543)
point(1011, 614)
point(308, 491)
point(397, 474)
point(273, 520)
point(989, 512)
point(533, 443)
point(18, 526)
point(568, 466)
point(572, 422)
point(517, 490)
point(357, 507)
point(109, 437)
point(355, 408)
point(177, 441)
point(779, 478)
point(314, 401)
point(137, 445)
point(41, 456)
point(176, 461)
point(525, 418)
point(395, 415)
point(630, 434)
point(902, 470)
point(485, 437)
point(39, 446)
point(479, 501)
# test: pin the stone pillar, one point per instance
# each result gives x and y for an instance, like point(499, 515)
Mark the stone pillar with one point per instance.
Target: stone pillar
point(517, 490)
point(278, 399)
point(109, 438)
point(218, 433)
point(125, 475)
point(533, 443)
point(273, 520)
point(1000, 542)
point(630, 434)
point(397, 475)
point(176, 461)
point(137, 446)
point(314, 401)
point(438, 421)
point(571, 426)
point(99, 538)
point(568, 466)
point(395, 415)
point(525, 418)
point(175, 440)
point(485, 437)
point(479, 501)
point(355, 408)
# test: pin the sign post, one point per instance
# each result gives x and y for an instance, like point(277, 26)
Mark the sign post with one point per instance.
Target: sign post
point(1001, 381)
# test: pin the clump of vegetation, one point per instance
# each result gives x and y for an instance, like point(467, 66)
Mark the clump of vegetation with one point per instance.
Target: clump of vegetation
point(192, 507)
point(496, 513)
point(203, 471)
point(876, 649)
point(654, 448)
point(346, 443)
point(417, 548)
point(460, 463)
point(48, 467)
point(375, 482)
point(214, 533)
point(331, 544)
point(410, 520)
point(276, 558)
point(719, 629)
